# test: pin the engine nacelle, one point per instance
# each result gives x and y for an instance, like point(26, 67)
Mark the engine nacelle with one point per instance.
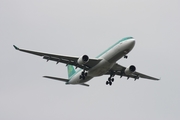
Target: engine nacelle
point(83, 60)
point(130, 70)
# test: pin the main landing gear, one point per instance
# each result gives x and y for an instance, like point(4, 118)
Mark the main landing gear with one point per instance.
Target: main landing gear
point(110, 80)
point(83, 75)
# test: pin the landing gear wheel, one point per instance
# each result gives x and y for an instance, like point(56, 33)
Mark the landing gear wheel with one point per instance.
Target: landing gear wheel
point(82, 73)
point(125, 56)
point(109, 79)
point(112, 80)
point(107, 82)
point(110, 83)
point(82, 77)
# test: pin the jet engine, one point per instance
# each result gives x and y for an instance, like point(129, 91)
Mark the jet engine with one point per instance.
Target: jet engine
point(129, 70)
point(83, 60)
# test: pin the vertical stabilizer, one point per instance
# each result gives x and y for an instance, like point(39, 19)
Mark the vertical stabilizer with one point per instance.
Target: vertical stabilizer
point(71, 71)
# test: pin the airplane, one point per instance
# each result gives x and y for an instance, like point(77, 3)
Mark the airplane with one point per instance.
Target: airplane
point(104, 64)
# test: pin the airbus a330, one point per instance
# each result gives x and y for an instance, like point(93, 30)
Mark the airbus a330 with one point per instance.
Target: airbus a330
point(104, 64)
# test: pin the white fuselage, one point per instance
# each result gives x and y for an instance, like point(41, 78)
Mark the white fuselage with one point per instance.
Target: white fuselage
point(109, 58)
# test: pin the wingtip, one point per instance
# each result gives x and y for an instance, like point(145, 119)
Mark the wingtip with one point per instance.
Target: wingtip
point(158, 79)
point(15, 47)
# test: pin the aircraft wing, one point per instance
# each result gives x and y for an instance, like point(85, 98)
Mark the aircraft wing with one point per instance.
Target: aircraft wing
point(119, 70)
point(63, 59)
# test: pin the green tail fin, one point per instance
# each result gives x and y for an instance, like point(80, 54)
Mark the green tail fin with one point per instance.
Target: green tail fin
point(71, 71)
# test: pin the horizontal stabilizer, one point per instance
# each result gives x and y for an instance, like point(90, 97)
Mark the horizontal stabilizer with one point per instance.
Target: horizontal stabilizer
point(62, 79)
point(55, 78)
point(85, 84)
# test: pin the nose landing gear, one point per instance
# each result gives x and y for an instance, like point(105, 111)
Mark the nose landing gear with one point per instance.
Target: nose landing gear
point(125, 56)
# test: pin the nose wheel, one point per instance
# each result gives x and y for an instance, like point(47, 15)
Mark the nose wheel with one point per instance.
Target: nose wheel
point(108, 83)
point(125, 56)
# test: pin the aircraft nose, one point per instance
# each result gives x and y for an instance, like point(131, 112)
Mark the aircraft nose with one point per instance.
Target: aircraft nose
point(132, 42)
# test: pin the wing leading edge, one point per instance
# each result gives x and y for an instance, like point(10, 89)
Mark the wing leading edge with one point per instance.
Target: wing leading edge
point(63, 59)
point(119, 70)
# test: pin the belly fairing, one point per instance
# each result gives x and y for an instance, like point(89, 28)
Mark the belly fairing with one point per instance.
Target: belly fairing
point(100, 69)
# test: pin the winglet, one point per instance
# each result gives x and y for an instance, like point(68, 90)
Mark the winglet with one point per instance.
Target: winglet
point(15, 47)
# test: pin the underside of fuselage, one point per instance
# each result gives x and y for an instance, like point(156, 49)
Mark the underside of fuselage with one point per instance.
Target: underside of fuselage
point(108, 60)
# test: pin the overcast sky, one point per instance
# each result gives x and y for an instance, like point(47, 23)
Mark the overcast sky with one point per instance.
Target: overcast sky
point(70, 27)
